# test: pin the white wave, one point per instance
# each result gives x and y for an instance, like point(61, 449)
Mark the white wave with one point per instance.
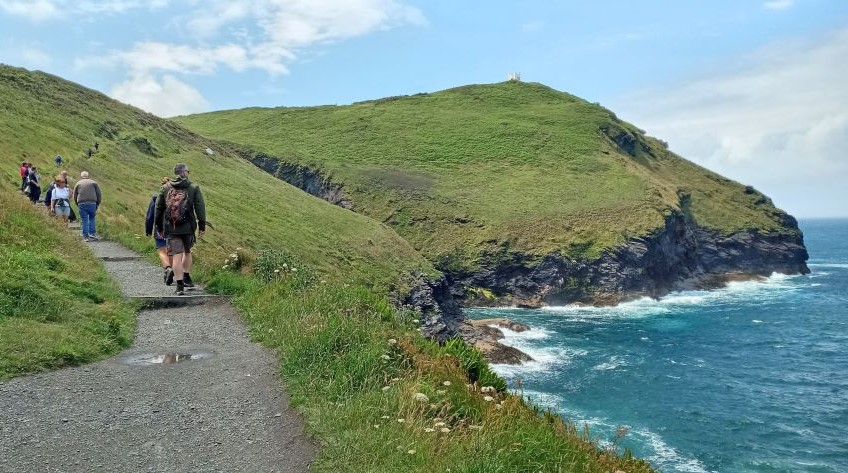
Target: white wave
point(828, 265)
point(666, 457)
point(756, 321)
point(613, 363)
point(532, 334)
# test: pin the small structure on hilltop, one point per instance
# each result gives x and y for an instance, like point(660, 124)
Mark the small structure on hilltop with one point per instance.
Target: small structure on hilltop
point(514, 77)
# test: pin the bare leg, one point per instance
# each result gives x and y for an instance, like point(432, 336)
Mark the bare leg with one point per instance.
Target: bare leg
point(163, 257)
point(187, 260)
point(178, 266)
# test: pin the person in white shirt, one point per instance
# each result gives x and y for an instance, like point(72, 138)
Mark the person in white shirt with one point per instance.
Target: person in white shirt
point(60, 200)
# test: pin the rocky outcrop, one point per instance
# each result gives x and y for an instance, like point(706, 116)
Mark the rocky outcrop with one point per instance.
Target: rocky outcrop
point(680, 256)
point(307, 179)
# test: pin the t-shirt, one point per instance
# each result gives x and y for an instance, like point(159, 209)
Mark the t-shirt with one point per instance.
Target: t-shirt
point(61, 194)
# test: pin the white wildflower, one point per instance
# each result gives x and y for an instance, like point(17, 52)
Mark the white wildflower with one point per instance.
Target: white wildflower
point(392, 341)
point(395, 380)
point(498, 406)
point(441, 391)
point(487, 389)
point(421, 397)
point(386, 388)
point(385, 417)
point(488, 398)
point(233, 255)
point(386, 357)
point(285, 265)
point(446, 383)
point(376, 426)
point(277, 271)
point(401, 421)
point(444, 430)
point(294, 270)
point(428, 430)
point(225, 267)
point(439, 424)
point(476, 427)
point(411, 451)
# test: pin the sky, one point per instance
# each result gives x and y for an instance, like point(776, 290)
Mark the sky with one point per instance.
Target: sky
point(756, 90)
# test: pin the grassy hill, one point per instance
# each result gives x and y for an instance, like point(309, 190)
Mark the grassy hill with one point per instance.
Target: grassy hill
point(353, 364)
point(45, 115)
point(480, 170)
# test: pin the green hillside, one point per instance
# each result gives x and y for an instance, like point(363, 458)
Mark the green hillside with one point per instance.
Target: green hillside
point(483, 169)
point(353, 364)
point(45, 115)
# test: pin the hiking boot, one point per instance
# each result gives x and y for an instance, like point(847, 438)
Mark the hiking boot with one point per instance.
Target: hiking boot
point(187, 282)
point(180, 289)
point(169, 276)
point(94, 238)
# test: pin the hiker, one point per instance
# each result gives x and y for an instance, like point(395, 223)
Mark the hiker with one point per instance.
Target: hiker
point(48, 194)
point(158, 238)
point(96, 146)
point(60, 200)
point(24, 172)
point(87, 197)
point(180, 211)
point(89, 152)
point(58, 160)
point(34, 181)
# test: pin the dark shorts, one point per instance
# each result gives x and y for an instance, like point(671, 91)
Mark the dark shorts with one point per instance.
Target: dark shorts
point(160, 242)
point(180, 244)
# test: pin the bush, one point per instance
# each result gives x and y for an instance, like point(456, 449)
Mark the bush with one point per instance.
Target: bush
point(277, 265)
point(474, 364)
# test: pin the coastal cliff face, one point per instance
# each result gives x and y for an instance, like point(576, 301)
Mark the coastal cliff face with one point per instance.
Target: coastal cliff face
point(680, 256)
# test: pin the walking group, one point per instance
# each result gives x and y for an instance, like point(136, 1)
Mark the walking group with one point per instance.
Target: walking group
point(57, 198)
point(174, 214)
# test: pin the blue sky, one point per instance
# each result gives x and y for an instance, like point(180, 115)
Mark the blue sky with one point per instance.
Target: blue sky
point(755, 90)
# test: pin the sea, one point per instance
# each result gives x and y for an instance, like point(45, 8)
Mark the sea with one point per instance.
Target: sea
point(749, 378)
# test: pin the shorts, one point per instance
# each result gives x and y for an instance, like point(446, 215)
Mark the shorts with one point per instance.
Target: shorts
point(62, 211)
point(180, 244)
point(160, 242)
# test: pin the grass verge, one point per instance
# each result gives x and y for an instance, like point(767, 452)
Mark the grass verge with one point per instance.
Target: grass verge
point(382, 398)
point(58, 307)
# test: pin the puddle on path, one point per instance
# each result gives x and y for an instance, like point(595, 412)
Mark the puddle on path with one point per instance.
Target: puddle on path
point(165, 358)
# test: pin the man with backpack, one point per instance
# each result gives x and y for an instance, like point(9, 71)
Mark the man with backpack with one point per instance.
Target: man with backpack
point(180, 211)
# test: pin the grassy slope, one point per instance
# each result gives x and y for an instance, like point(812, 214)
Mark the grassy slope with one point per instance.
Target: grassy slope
point(332, 338)
point(476, 168)
point(57, 305)
point(248, 208)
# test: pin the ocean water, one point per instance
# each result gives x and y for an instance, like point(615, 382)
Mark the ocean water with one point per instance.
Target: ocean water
point(749, 378)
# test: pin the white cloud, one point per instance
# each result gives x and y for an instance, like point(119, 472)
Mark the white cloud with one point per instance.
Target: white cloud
point(35, 58)
point(35, 10)
point(40, 10)
point(778, 121)
point(166, 97)
point(778, 5)
point(240, 35)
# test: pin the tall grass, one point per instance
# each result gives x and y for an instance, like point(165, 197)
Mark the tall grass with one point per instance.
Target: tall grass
point(57, 305)
point(383, 399)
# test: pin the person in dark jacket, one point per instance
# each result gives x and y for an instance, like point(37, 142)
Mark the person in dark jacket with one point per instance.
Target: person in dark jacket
point(158, 238)
point(177, 228)
point(34, 181)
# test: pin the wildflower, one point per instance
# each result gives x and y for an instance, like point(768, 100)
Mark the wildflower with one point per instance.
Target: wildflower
point(476, 427)
point(401, 421)
point(277, 271)
point(498, 406)
point(323, 281)
point(439, 424)
point(233, 256)
point(488, 398)
point(416, 321)
point(225, 267)
point(385, 417)
point(294, 270)
point(446, 383)
point(285, 265)
point(411, 451)
point(392, 341)
point(376, 426)
point(428, 430)
point(440, 391)
point(395, 380)
point(421, 397)
point(386, 388)
point(444, 430)
point(487, 389)
point(386, 357)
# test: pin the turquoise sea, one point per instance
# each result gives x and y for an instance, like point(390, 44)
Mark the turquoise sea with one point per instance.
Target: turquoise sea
point(749, 378)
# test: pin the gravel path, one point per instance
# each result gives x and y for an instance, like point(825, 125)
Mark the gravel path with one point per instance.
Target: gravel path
point(192, 394)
